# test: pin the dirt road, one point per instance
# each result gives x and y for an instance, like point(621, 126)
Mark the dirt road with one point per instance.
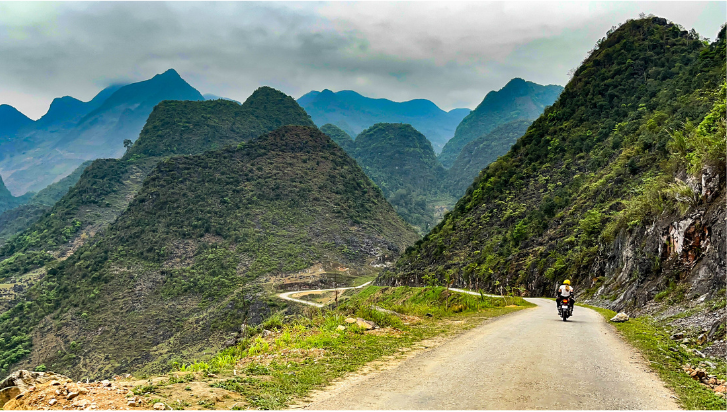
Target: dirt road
point(529, 359)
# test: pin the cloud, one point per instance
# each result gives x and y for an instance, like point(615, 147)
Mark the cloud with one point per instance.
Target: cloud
point(450, 53)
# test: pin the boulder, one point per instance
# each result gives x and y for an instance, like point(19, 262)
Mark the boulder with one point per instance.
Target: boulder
point(7, 394)
point(158, 406)
point(677, 336)
point(350, 320)
point(341, 328)
point(365, 324)
point(24, 380)
point(620, 317)
point(702, 339)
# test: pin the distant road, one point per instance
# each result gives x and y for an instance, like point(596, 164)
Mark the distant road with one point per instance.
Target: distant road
point(529, 359)
point(286, 295)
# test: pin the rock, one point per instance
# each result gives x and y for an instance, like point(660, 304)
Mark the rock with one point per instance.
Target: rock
point(105, 383)
point(71, 395)
point(350, 320)
point(7, 394)
point(700, 354)
point(721, 389)
point(24, 379)
point(702, 339)
point(620, 317)
point(82, 390)
point(712, 381)
point(266, 333)
point(341, 327)
point(677, 336)
point(365, 324)
point(158, 406)
point(81, 403)
point(52, 401)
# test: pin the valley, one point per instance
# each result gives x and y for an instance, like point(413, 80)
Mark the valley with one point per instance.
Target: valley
point(343, 252)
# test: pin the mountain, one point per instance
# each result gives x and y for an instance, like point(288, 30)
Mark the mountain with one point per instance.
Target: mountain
point(73, 131)
point(479, 153)
point(353, 113)
point(11, 120)
point(210, 96)
point(340, 137)
point(184, 266)
point(401, 162)
point(618, 186)
point(518, 100)
point(19, 218)
point(106, 187)
point(8, 201)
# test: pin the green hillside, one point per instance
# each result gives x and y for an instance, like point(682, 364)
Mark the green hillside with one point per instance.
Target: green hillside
point(479, 153)
point(181, 269)
point(55, 191)
point(401, 161)
point(8, 201)
point(633, 148)
point(339, 136)
point(518, 100)
point(174, 127)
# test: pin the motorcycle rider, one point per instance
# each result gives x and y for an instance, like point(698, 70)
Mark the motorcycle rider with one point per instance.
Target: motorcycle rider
point(565, 291)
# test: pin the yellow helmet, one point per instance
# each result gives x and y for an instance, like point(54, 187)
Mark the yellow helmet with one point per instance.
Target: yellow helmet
point(567, 282)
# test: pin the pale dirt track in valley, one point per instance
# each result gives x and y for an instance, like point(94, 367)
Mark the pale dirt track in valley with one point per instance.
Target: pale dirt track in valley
point(529, 359)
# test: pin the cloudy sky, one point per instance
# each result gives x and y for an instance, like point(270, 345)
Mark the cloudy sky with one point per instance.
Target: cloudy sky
point(450, 53)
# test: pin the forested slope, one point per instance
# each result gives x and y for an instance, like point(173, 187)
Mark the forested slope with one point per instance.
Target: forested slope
point(517, 100)
point(479, 153)
point(179, 271)
point(618, 186)
point(174, 127)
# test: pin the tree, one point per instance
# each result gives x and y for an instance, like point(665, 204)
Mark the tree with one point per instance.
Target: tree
point(127, 144)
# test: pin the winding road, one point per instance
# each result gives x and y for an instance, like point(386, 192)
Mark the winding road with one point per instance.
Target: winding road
point(528, 359)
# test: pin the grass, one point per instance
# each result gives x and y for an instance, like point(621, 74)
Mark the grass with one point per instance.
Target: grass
point(666, 358)
point(308, 351)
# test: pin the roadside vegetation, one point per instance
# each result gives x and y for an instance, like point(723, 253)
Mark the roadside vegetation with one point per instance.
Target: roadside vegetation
point(667, 357)
point(283, 359)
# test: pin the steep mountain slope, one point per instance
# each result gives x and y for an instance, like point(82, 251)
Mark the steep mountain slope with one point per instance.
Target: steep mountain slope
point(181, 268)
point(73, 132)
point(618, 186)
point(340, 137)
point(174, 127)
point(8, 201)
point(353, 113)
point(19, 218)
point(518, 100)
point(14, 221)
point(479, 153)
point(401, 161)
point(11, 120)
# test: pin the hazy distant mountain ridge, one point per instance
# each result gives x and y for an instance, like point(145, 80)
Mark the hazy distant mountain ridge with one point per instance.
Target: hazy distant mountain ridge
point(353, 113)
point(72, 131)
point(479, 153)
point(519, 99)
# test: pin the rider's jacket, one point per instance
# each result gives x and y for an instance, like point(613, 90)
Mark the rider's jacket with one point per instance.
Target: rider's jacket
point(565, 290)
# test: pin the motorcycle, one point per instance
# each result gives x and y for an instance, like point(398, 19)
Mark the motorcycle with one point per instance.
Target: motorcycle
point(565, 310)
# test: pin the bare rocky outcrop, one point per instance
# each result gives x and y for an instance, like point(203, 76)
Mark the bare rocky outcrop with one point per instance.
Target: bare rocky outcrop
point(22, 381)
point(687, 250)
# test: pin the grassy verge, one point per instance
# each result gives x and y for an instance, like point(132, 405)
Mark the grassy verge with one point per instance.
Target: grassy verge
point(285, 359)
point(667, 357)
